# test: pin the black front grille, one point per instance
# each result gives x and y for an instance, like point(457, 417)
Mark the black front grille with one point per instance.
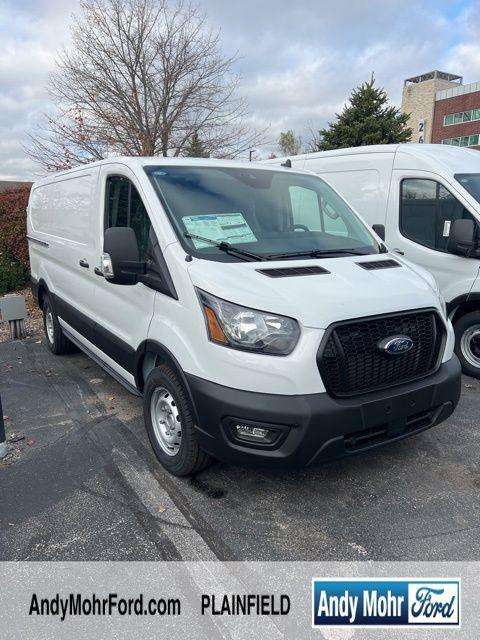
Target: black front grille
point(351, 362)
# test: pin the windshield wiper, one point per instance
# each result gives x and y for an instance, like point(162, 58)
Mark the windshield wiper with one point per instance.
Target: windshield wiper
point(227, 247)
point(317, 253)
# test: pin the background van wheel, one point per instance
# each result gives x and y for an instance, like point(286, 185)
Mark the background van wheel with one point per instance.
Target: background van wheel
point(467, 343)
point(169, 422)
point(57, 342)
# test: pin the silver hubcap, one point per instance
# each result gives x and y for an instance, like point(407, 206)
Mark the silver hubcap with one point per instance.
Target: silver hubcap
point(166, 421)
point(49, 326)
point(470, 345)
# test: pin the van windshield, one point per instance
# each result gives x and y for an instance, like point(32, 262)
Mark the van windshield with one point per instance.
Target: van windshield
point(470, 182)
point(257, 213)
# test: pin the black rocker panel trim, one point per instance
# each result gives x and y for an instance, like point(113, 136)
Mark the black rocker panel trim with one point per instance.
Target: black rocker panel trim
point(115, 348)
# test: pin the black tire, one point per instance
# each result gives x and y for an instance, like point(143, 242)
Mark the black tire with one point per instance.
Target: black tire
point(189, 459)
point(57, 342)
point(467, 346)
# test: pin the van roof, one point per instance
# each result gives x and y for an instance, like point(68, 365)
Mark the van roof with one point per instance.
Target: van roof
point(455, 159)
point(136, 162)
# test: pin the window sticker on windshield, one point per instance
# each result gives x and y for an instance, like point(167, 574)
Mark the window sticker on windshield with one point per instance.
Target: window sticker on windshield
point(229, 227)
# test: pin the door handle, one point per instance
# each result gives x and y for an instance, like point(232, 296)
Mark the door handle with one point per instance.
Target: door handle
point(83, 263)
point(400, 252)
point(98, 272)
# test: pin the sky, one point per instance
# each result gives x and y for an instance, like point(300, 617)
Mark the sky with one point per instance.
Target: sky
point(298, 59)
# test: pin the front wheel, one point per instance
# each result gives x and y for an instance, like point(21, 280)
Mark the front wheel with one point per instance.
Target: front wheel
point(467, 343)
point(169, 422)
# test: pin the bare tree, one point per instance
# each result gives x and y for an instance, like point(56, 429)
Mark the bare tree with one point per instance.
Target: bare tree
point(289, 143)
point(142, 78)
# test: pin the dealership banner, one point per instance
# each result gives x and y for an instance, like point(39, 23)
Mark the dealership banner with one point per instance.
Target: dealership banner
point(237, 600)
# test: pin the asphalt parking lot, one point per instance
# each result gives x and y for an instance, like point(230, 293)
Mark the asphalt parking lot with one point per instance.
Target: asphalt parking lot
point(81, 483)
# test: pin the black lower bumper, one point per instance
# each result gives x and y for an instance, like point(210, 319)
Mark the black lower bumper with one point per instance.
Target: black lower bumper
point(316, 427)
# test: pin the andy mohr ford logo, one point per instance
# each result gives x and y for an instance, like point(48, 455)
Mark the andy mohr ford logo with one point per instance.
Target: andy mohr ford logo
point(385, 602)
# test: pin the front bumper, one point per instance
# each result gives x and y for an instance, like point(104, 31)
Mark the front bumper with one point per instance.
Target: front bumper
point(317, 427)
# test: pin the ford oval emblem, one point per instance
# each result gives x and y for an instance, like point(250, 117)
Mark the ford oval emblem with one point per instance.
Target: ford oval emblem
point(395, 345)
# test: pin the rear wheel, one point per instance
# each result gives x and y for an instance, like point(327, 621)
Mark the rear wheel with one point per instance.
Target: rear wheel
point(57, 342)
point(467, 343)
point(169, 421)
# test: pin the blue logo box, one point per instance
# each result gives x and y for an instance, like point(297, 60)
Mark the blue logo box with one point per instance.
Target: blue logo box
point(379, 602)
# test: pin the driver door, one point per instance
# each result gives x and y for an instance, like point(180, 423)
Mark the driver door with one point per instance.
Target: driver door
point(123, 312)
point(420, 213)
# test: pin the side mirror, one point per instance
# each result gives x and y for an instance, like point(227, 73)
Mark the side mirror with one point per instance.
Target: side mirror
point(379, 230)
point(461, 239)
point(120, 263)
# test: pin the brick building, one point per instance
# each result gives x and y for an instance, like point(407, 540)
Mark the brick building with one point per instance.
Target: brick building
point(457, 116)
point(442, 109)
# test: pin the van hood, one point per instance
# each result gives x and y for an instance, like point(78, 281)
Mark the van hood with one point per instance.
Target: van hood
point(347, 291)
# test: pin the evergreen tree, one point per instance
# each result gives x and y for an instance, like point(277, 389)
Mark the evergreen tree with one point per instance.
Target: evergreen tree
point(368, 119)
point(195, 148)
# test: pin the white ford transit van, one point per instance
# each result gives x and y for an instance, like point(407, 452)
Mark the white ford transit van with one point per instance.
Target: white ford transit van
point(259, 317)
point(418, 192)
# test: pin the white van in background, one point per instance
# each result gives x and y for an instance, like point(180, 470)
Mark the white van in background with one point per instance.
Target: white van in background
point(419, 192)
point(254, 333)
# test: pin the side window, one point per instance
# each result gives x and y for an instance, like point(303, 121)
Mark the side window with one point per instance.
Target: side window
point(427, 211)
point(417, 211)
point(124, 208)
point(305, 207)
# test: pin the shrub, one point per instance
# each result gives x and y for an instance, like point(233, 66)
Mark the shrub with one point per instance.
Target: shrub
point(12, 274)
point(13, 223)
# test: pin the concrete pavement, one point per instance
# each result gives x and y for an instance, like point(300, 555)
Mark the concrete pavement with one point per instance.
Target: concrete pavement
point(83, 484)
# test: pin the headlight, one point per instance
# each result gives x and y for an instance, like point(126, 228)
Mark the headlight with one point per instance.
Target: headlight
point(242, 328)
